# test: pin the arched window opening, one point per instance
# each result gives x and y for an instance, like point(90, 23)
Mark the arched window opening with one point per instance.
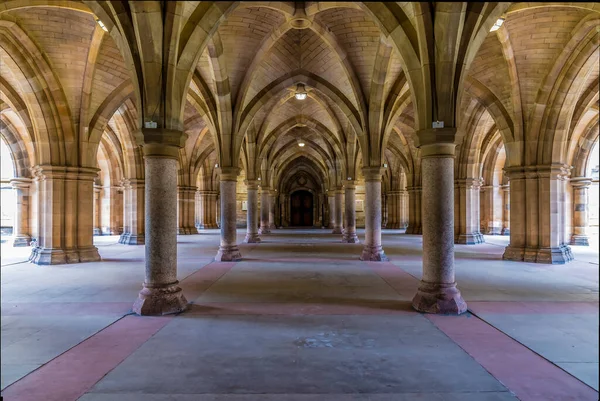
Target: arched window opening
point(8, 196)
point(592, 171)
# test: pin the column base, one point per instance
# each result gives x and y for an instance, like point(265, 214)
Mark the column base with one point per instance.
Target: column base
point(228, 254)
point(186, 231)
point(272, 227)
point(22, 240)
point(264, 230)
point(505, 231)
point(130, 239)
point(44, 256)
point(392, 225)
point(494, 231)
point(252, 238)
point(373, 254)
point(558, 255)
point(206, 226)
point(350, 238)
point(578, 239)
point(470, 239)
point(160, 300)
point(414, 230)
point(439, 298)
point(337, 230)
point(97, 231)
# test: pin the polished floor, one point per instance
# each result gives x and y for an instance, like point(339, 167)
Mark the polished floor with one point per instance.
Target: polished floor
point(300, 318)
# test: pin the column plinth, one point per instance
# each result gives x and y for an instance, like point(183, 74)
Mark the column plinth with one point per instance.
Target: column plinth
point(437, 292)
point(228, 249)
point(373, 251)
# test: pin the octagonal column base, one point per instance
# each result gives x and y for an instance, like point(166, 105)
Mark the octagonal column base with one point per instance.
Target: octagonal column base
point(22, 240)
point(439, 298)
point(373, 254)
point(252, 239)
point(350, 238)
point(582, 240)
point(229, 253)
point(264, 230)
point(158, 300)
point(337, 230)
point(470, 239)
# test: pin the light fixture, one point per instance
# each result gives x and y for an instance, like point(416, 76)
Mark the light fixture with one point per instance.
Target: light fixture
point(101, 25)
point(217, 165)
point(497, 24)
point(258, 178)
point(385, 165)
point(301, 142)
point(300, 92)
point(349, 178)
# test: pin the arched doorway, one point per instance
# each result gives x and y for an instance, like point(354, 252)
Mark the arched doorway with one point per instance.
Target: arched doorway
point(301, 209)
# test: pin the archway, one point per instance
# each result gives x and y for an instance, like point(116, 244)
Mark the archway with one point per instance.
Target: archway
point(8, 202)
point(301, 209)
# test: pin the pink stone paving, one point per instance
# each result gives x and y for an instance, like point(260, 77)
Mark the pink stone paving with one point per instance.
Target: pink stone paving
point(258, 308)
point(195, 284)
point(70, 375)
point(65, 308)
point(529, 376)
point(534, 307)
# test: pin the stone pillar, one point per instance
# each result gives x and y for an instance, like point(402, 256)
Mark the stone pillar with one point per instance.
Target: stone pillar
point(185, 210)
point(207, 210)
point(161, 294)
point(133, 212)
point(228, 250)
point(505, 210)
point(437, 291)
point(393, 204)
point(111, 210)
point(414, 211)
point(264, 211)
point(403, 209)
point(537, 217)
point(252, 212)
point(350, 200)
point(467, 222)
point(331, 204)
point(373, 251)
point(272, 204)
point(65, 216)
point(384, 210)
point(580, 210)
point(338, 202)
point(21, 231)
point(97, 210)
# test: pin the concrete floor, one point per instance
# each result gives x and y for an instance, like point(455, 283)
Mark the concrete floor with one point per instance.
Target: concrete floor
point(300, 318)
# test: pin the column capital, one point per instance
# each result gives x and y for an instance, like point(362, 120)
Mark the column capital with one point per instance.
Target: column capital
point(442, 149)
point(228, 173)
point(414, 189)
point(581, 182)
point(273, 192)
point(21, 183)
point(469, 183)
point(436, 136)
point(251, 184)
point(97, 188)
point(372, 173)
point(161, 142)
point(350, 184)
point(44, 171)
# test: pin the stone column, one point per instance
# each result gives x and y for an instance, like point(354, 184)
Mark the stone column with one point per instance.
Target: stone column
point(505, 210)
point(185, 210)
point(384, 210)
point(403, 209)
point(414, 211)
point(331, 204)
point(272, 204)
point(393, 210)
point(228, 250)
point(97, 210)
point(437, 291)
point(350, 231)
point(161, 293)
point(65, 216)
point(467, 222)
point(264, 211)
point(537, 217)
point(133, 212)
point(373, 251)
point(337, 222)
point(207, 209)
point(111, 210)
point(21, 231)
point(580, 210)
point(252, 212)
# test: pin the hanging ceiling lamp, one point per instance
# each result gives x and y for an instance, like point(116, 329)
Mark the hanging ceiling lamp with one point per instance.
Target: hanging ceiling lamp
point(497, 24)
point(300, 92)
point(101, 25)
point(301, 142)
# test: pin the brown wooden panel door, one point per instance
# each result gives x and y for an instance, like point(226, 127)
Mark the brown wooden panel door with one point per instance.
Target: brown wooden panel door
point(301, 209)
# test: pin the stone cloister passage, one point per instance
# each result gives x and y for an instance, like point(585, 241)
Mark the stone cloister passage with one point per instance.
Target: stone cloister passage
point(300, 173)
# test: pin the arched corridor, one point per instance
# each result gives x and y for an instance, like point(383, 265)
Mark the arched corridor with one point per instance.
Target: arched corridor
point(441, 155)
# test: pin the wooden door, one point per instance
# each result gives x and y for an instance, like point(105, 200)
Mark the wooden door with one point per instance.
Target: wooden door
point(301, 209)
